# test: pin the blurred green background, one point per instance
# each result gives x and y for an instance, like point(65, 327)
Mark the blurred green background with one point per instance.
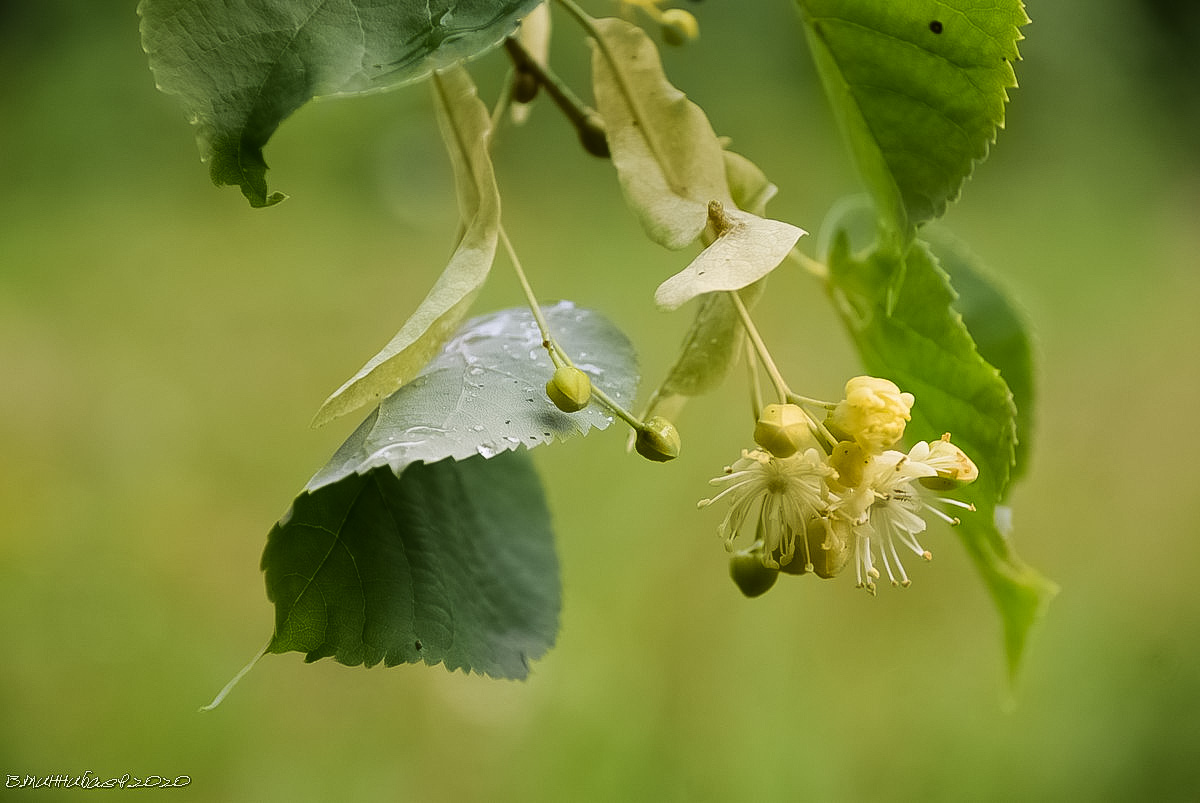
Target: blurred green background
point(163, 348)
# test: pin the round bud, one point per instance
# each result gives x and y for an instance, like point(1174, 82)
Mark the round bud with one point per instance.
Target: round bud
point(657, 440)
point(679, 27)
point(524, 86)
point(849, 460)
point(752, 578)
point(569, 389)
point(783, 430)
point(593, 137)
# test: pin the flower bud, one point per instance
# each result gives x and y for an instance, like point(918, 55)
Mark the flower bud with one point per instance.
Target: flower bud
point(570, 389)
point(657, 440)
point(783, 430)
point(952, 465)
point(849, 460)
point(752, 578)
point(679, 27)
point(525, 86)
point(873, 413)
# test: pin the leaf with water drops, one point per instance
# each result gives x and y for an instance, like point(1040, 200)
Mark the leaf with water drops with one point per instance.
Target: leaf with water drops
point(485, 394)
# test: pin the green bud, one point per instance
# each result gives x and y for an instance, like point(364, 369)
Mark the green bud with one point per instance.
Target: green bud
point(849, 459)
point(525, 86)
point(783, 430)
point(827, 550)
point(657, 440)
point(570, 389)
point(679, 27)
point(752, 578)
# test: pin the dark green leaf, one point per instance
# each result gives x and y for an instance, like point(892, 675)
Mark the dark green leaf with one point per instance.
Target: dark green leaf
point(485, 394)
point(451, 562)
point(919, 89)
point(243, 66)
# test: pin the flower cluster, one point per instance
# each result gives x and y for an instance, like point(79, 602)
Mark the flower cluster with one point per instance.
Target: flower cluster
point(817, 494)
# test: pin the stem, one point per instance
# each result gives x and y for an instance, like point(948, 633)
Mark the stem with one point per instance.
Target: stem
point(620, 411)
point(556, 354)
point(756, 397)
point(585, 119)
point(814, 267)
point(647, 131)
point(760, 348)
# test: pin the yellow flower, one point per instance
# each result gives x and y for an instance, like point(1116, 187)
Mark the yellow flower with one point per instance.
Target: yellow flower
point(873, 414)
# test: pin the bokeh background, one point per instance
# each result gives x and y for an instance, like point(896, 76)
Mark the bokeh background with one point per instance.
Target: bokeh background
point(163, 348)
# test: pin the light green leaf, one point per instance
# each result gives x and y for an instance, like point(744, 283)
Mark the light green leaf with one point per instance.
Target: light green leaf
point(466, 129)
point(919, 89)
point(715, 337)
point(451, 563)
point(241, 67)
point(908, 331)
point(746, 251)
point(997, 326)
point(668, 160)
point(485, 394)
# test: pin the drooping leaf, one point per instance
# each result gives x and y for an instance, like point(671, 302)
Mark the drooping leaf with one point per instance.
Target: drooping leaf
point(485, 394)
point(668, 160)
point(749, 249)
point(241, 67)
point(715, 337)
point(449, 562)
point(466, 128)
point(903, 322)
point(997, 326)
point(919, 89)
point(1020, 593)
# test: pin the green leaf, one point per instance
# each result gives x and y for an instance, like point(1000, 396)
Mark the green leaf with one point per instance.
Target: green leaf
point(485, 394)
point(451, 562)
point(999, 329)
point(1020, 593)
point(902, 320)
point(241, 67)
point(749, 249)
point(466, 129)
point(668, 160)
point(919, 89)
point(923, 346)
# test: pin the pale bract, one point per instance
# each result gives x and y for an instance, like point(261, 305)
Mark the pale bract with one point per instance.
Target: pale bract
point(466, 128)
point(668, 159)
point(751, 248)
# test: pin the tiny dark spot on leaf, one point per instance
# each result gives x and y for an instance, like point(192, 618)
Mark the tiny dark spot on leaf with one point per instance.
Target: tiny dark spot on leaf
point(419, 645)
point(936, 26)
